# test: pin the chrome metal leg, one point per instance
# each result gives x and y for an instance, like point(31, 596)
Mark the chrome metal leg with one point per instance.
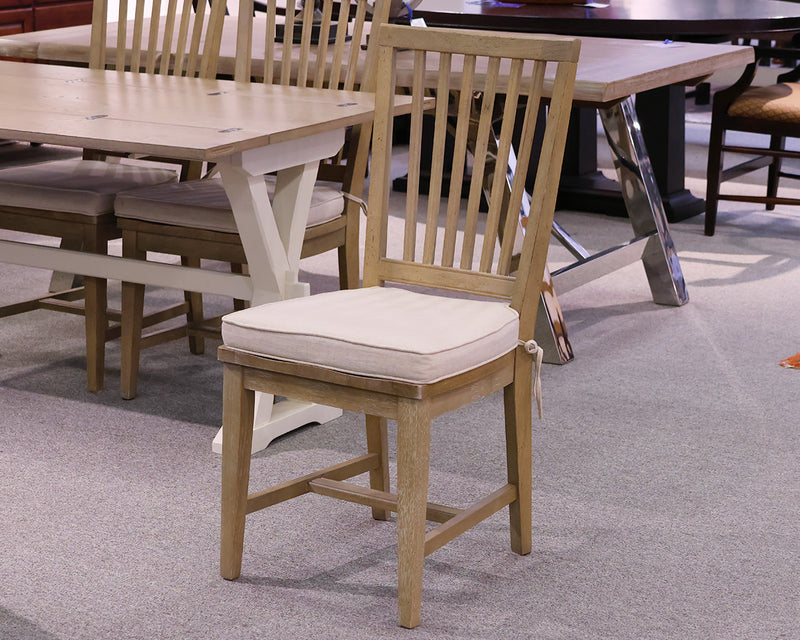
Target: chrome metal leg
point(643, 202)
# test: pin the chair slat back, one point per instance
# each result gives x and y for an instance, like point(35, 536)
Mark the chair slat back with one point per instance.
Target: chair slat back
point(163, 36)
point(320, 44)
point(490, 105)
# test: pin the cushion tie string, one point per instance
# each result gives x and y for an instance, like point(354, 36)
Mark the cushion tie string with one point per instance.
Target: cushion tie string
point(537, 352)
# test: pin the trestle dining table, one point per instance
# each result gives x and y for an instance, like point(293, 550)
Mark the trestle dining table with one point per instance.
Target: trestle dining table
point(610, 72)
point(246, 129)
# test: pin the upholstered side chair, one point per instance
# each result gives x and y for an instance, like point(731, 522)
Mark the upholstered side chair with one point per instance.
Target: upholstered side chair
point(442, 319)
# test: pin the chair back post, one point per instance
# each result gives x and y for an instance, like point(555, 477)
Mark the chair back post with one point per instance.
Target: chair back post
point(459, 248)
point(179, 39)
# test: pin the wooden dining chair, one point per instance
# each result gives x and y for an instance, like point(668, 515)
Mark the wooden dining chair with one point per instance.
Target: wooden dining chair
point(73, 199)
point(195, 220)
point(772, 110)
point(441, 320)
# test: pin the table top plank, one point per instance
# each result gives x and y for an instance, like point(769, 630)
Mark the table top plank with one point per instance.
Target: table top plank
point(115, 111)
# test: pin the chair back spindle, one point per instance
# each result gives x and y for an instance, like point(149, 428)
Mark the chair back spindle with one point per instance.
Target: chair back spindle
point(173, 38)
point(320, 44)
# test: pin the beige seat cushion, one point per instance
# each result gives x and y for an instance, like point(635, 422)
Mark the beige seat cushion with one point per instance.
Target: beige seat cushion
point(203, 204)
point(378, 332)
point(776, 103)
point(75, 186)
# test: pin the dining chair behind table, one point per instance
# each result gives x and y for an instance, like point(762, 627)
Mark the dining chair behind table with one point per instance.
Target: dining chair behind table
point(194, 219)
point(73, 199)
point(446, 314)
point(773, 110)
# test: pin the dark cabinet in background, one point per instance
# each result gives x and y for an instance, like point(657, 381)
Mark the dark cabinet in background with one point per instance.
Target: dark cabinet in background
point(19, 16)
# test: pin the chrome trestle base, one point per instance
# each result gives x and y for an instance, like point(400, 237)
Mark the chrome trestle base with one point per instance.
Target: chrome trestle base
point(652, 243)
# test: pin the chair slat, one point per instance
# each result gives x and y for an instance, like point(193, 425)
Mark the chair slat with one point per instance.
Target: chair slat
point(414, 157)
point(338, 52)
point(152, 40)
point(269, 45)
point(307, 26)
point(480, 153)
point(166, 45)
point(120, 55)
point(525, 147)
point(286, 51)
point(136, 37)
point(358, 35)
point(502, 146)
point(437, 158)
point(321, 53)
point(459, 161)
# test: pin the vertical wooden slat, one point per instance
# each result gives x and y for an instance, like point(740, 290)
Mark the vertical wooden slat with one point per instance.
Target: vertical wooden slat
point(244, 41)
point(322, 48)
point(503, 145)
point(459, 161)
point(414, 156)
point(286, 52)
point(181, 47)
point(193, 61)
point(335, 74)
point(351, 78)
point(269, 43)
point(136, 38)
point(525, 146)
point(482, 132)
point(213, 41)
point(97, 44)
point(122, 32)
point(437, 159)
point(169, 32)
point(307, 25)
point(152, 38)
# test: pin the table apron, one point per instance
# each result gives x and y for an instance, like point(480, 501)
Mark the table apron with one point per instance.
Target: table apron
point(279, 155)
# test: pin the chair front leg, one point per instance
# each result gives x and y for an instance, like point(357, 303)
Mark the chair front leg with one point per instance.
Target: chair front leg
point(413, 454)
point(131, 321)
point(238, 405)
point(776, 143)
point(194, 316)
point(96, 316)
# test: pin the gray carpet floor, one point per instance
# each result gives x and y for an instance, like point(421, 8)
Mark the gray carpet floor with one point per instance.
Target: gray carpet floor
point(666, 475)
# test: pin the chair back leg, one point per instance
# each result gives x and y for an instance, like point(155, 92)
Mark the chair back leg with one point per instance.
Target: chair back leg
point(518, 419)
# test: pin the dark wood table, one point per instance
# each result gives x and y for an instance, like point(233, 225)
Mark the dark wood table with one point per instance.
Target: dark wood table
point(661, 111)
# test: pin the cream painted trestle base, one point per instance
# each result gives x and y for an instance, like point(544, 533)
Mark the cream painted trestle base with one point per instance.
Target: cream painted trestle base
point(272, 235)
